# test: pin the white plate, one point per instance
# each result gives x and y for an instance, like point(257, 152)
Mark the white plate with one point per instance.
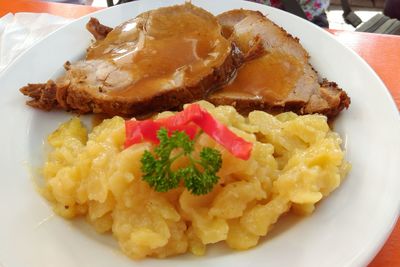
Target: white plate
point(347, 229)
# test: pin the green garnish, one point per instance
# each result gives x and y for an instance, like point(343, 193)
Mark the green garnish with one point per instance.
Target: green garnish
point(157, 168)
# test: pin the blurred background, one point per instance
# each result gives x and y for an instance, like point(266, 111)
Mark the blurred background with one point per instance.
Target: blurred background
point(364, 9)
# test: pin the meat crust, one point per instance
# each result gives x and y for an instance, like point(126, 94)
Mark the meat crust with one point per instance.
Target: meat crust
point(98, 30)
point(103, 82)
point(115, 79)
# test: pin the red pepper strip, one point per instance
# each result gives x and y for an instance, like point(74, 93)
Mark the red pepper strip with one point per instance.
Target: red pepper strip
point(183, 121)
point(190, 129)
point(213, 128)
point(190, 114)
point(236, 145)
point(139, 131)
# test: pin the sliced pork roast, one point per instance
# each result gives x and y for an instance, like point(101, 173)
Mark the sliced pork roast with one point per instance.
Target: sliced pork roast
point(175, 55)
point(276, 75)
point(158, 61)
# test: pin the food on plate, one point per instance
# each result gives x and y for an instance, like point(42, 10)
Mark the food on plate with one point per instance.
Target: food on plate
point(170, 56)
point(276, 75)
point(290, 163)
point(154, 62)
point(98, 30)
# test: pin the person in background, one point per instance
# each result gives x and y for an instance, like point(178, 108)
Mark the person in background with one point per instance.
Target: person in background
point(313, 9)
point(392, 9)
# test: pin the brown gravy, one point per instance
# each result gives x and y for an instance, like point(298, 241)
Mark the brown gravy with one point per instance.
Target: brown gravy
point(160, 52)
point(98, 119)
point(271, 77)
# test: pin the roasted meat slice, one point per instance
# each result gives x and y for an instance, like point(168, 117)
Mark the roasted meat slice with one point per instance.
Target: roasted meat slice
point(277, 75)
point(158, 61)
point(98, 30)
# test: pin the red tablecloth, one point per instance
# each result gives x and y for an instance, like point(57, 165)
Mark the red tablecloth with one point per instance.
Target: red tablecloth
point(382, 52)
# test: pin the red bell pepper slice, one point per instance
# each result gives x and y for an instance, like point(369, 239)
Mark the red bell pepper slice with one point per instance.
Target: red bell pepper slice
point(137, 131)
point(186, 120)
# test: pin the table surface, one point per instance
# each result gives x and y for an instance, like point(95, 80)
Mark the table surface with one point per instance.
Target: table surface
point(382, 52)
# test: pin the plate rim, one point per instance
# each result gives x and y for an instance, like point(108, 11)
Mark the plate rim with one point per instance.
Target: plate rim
point(378, 245)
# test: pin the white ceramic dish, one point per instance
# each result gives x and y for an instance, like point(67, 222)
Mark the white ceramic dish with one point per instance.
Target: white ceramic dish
point(347, 229)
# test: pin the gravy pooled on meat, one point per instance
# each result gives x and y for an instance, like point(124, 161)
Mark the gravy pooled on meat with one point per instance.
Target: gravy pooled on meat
point(276, 75)
point(171, 56)
point(159, 60)
point(282, 71)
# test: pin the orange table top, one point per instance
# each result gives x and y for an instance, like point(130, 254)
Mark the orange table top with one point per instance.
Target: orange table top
point(65, 10)
point(382, 52)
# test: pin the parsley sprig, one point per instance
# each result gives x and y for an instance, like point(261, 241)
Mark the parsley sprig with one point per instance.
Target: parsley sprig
point(157, 170)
